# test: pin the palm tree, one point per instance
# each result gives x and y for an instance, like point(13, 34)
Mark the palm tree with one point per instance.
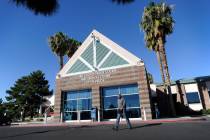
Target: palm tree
point(44, 7)
point(123, 1)
point(59, 45)
point(49, 7)
point(157, 23)
point(72, 47)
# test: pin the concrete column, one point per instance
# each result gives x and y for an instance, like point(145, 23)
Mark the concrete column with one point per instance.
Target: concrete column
point(181, 94)
point(58, 101)
point(204, 95)
point(96, 99)
point(145, 97)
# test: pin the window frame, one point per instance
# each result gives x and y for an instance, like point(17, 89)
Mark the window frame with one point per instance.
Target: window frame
point(77, 99)
point(193, 102)
point(116, 95)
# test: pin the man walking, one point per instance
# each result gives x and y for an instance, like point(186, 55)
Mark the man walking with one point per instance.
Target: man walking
point(121, 112)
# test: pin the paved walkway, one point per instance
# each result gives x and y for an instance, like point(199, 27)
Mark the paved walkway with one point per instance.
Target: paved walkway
point(79, 124)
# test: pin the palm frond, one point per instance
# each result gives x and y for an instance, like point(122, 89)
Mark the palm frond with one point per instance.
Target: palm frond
point(156, 21)
point(122, 1)
point(43, 7)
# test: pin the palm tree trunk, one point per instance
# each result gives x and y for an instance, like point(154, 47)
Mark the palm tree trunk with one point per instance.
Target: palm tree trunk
point(168, 82)
point(61, 61)
point(161, 69)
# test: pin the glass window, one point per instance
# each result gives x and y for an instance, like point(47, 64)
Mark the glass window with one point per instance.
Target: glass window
point(110, 91)
point(134, 112)
point(70, 105)
point(70, 116)
point(110, 114)
point(71, 95)
point(132, 100)
point(110, 102)
point(84, 94)
point(110, 96)
point(193, 97)
point(209, 93)
point(78, 94)
point(75, 101)
point(85, 115)
point(129, 89)
point(84, 104)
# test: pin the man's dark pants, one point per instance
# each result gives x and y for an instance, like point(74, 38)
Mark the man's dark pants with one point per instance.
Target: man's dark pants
point(124, 115)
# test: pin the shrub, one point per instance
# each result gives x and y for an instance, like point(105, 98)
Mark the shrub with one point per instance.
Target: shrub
point(40, 119)
point(206, 111)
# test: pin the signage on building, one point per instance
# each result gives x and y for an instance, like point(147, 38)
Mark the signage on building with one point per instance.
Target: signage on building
point(96, 76)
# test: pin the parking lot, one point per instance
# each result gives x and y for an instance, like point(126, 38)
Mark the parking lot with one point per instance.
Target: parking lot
point(155, 131)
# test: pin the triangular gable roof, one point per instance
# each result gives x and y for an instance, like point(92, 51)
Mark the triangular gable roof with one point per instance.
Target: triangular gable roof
point(110, 56)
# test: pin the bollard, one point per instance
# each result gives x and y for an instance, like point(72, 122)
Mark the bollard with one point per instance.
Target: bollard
point(45, 117)
point(145, 117)
point(98, 115)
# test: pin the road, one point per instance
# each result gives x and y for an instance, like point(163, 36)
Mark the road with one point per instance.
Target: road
point(157, 131)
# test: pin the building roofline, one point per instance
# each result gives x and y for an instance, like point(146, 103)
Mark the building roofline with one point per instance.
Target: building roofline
point(188, 80)
point(122, 52)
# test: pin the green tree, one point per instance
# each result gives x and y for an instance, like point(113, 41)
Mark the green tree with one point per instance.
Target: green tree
point(26, 95)
point(1, 107)
point(1, 101)
point(157, 22)
point(150, 78)
point(43, 7)
point(72, 47)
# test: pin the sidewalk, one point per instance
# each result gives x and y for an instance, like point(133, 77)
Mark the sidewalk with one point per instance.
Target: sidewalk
point(81, 124)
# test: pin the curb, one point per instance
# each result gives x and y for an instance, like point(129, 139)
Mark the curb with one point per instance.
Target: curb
point(178, 120)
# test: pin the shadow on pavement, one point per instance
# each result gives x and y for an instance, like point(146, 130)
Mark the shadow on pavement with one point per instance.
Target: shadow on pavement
point(145, 125)
point(34, 132)
point(46, 131)
point(68, 128)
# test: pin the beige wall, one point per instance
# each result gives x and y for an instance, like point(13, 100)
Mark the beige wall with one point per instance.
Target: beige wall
point(194, 88)
point(191, 87)
point(173, 89)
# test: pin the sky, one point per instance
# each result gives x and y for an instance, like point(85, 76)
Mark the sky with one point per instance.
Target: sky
point(24, 46)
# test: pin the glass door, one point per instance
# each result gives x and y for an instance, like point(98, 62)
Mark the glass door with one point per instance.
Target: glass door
point(77, 105)
point(131, 96)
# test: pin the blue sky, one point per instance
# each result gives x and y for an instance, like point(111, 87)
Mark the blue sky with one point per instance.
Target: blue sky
point(24, 46)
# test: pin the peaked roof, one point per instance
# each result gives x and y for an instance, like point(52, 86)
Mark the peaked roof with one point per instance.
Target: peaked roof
point(98, 52)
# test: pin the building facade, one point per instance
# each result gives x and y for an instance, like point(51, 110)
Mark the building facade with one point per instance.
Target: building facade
point(95, 75)
point(192, 94)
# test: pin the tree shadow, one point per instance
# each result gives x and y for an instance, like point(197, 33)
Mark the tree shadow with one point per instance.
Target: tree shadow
point(49, 130)
point(34, 132)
